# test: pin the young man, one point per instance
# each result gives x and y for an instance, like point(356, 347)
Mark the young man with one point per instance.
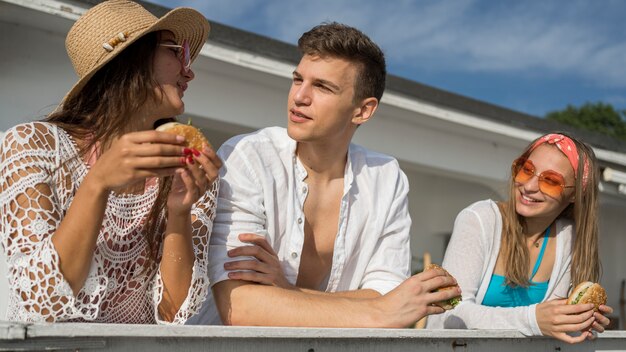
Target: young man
point(312, 230)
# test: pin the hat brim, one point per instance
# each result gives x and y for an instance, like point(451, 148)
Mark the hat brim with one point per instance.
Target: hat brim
point(185, 23)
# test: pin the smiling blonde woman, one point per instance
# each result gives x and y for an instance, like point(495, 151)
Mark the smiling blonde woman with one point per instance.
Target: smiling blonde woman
point(516, 260)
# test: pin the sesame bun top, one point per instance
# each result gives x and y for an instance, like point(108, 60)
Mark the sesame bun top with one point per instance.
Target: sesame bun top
point(588, 292)
point(193, 136)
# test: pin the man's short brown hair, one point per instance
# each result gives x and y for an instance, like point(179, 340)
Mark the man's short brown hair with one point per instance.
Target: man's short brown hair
point(345, 42)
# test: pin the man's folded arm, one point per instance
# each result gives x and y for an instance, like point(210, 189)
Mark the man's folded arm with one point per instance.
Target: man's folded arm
point(243, 303)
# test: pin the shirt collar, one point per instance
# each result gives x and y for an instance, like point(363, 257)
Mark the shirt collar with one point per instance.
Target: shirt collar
point(348, 174)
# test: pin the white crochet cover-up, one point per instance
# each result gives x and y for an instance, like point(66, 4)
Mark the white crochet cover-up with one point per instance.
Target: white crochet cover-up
point(40, 175)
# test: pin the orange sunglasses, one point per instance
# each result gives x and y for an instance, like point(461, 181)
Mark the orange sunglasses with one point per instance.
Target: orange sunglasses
point(550, 182)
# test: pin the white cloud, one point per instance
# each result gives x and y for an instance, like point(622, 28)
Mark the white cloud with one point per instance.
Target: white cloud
point(559, 38)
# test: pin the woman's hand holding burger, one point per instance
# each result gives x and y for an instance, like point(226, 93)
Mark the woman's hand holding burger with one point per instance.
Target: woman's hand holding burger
point(202, 169)
point(583, 312)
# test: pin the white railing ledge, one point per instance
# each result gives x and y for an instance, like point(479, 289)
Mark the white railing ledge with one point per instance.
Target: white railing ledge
point(136, 338)
point(105, 330)
point(12, 331)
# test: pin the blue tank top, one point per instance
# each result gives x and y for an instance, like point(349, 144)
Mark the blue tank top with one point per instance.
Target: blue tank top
point(501, 295)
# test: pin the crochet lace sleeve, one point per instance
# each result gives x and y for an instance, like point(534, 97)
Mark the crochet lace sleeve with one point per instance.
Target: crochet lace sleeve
point(30, 216)
point(203, 214)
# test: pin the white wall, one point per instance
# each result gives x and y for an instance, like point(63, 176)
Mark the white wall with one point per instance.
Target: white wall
point(434, 202)
point(35, 73)
point(613, 250)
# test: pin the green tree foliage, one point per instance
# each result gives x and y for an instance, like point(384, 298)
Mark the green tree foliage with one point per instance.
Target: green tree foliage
point(598, 117)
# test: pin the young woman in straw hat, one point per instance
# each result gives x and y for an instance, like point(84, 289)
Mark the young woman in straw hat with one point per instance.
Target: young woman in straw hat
point(515, 260)
point(104, 218)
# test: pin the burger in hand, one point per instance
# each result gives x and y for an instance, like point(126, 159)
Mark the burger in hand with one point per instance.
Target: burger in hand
point(452, 302)
point(588, 292)
point(193, 137)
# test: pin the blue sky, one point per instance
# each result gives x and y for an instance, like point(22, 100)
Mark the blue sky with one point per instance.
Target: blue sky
point(532, 56)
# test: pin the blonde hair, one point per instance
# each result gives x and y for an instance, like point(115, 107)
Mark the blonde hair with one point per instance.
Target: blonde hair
point(585, 265)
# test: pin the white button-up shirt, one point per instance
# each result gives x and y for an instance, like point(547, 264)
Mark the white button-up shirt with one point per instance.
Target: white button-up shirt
point(262, 191)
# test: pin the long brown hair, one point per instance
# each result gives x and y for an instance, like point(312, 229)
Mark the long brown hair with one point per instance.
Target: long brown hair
point(585, 265)
point(100, 112)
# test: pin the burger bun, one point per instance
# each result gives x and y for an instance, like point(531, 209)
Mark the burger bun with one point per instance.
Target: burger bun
point(588, 292)
point(193, 136)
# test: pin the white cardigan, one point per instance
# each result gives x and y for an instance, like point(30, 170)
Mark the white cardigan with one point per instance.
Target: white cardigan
point(471, 257)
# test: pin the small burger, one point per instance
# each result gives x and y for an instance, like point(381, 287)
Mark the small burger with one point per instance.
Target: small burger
point(452, 302)
point(193, 137)
point(588, 292)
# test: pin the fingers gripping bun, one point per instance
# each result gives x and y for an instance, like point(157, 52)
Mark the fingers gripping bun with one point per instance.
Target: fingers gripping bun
point(193, 137)
point(435, 266)
point(588, 292)
point(452, 302)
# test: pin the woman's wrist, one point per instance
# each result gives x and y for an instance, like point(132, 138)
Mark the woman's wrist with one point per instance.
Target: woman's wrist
point(178, 221)
point(176, 213)
point(95, 186)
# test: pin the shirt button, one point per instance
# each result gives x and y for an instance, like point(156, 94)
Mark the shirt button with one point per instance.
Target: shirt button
point(299, 220)
point(304, 189)
point(294, 255)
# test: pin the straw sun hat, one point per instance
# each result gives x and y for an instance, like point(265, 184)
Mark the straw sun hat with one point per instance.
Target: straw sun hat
point(109, 27)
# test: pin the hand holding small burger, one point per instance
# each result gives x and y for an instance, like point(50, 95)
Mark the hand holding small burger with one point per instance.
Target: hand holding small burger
point(589, 292)
point(583, 312)
point(452, 302)
point(202, 165)
point(418, 296)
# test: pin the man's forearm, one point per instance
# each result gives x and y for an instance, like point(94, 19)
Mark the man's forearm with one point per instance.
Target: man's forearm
point(365, 293)
point(242, 303)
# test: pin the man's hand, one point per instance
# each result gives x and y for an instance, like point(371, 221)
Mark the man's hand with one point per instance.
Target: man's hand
point(265, 269)
point(414, 298)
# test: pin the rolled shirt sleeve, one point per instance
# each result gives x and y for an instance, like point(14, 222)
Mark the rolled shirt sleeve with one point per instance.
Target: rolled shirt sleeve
point(390, 262)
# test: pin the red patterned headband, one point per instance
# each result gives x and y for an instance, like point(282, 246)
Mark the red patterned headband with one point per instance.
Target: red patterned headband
point(568, 147)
